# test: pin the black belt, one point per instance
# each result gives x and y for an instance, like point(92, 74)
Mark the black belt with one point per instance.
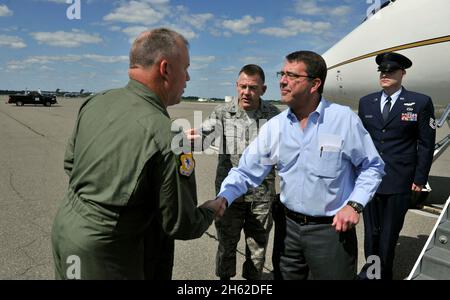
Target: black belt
point(305, 219)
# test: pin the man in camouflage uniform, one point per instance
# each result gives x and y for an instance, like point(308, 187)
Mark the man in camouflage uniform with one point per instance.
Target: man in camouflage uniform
point(129, 194)
point(236, 124)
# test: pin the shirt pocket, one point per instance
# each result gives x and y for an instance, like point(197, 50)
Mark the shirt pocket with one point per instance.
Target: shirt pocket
point(328, 163)
point(327, 158)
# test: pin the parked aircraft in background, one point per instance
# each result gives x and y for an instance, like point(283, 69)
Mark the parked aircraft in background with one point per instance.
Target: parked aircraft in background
point(82, 93)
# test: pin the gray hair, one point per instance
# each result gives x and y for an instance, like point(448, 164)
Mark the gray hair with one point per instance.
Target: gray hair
point(153, 45)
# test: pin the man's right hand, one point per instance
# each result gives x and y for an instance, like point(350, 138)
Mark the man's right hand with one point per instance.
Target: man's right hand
point(218, 205)
point(345, 219)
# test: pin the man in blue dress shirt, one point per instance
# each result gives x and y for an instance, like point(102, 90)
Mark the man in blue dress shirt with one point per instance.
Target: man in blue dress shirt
point(329, 170)
point(403, 128)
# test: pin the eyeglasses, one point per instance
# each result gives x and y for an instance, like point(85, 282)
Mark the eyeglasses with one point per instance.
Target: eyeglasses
point(291, 76)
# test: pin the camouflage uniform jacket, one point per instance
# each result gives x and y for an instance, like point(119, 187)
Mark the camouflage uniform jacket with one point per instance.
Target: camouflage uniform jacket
point(234, 129)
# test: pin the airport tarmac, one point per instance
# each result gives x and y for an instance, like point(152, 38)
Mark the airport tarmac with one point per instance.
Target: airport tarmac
point(33, 182)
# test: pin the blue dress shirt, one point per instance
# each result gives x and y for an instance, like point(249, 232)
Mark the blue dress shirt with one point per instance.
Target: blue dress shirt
point(321, 167)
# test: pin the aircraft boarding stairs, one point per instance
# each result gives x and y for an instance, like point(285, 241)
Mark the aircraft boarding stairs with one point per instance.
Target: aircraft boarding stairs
point(434, 261)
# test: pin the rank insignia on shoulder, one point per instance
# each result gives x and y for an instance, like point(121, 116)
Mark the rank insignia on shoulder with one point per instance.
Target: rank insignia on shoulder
point(433, 123)
point(187, 164)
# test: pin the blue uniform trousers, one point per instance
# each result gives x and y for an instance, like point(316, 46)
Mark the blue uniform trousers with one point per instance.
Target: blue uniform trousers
point(383, 220)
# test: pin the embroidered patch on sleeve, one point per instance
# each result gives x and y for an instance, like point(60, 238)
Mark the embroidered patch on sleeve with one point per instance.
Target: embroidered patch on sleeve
point(187, 164)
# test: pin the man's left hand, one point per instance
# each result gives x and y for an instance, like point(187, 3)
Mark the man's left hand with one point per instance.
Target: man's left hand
point(345, 219)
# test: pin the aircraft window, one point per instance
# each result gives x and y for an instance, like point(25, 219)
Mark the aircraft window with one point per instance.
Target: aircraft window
point(374, 11)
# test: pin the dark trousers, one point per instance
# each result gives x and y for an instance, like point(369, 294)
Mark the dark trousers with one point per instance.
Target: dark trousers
point(317, 248)
point(159, 251)
point(383, 221)
point(256, 221)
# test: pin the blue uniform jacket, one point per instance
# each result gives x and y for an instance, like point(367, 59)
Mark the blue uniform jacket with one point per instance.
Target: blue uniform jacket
point(405, 141)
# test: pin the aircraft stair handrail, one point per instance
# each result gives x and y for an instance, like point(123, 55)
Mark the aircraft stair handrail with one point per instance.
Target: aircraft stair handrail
point(440, 147)
point(443, 144)
point(444, 117)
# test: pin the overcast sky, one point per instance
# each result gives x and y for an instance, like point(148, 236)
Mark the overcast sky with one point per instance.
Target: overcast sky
point(40, 47)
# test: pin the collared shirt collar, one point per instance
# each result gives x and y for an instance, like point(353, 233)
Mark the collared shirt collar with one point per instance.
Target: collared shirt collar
point(263, 107)
point(313, 116)
point(148, 95)
point(235, 108)
point(394, 98)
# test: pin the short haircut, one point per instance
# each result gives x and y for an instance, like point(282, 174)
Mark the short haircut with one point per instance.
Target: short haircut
point(153, 45)
point(316, 66)
point(253, 70)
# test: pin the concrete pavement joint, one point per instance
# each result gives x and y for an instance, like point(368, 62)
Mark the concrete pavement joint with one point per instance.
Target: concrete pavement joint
point(45, 232)
point(29, 269)
point(14, 189)
point(23, 124)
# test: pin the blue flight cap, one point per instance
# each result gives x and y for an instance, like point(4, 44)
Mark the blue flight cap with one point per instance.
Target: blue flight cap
point(391, 61)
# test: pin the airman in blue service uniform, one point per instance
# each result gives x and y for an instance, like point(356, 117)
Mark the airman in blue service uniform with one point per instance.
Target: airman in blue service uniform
point(403, 128)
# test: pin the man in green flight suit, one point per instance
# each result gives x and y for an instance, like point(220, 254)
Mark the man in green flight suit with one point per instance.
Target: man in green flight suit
point(129, 194)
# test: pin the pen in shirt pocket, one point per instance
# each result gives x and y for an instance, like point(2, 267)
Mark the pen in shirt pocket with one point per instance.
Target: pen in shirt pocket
point(321, 150)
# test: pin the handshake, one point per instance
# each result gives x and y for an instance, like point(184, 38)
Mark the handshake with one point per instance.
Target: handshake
point(217, 205)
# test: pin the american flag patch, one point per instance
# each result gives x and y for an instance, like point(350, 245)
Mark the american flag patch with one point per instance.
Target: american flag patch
point(409, 117)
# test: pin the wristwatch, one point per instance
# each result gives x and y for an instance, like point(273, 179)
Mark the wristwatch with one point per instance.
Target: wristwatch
point(356, 206)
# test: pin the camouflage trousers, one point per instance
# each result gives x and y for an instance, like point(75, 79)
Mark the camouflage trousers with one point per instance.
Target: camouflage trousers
point(255, 219)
